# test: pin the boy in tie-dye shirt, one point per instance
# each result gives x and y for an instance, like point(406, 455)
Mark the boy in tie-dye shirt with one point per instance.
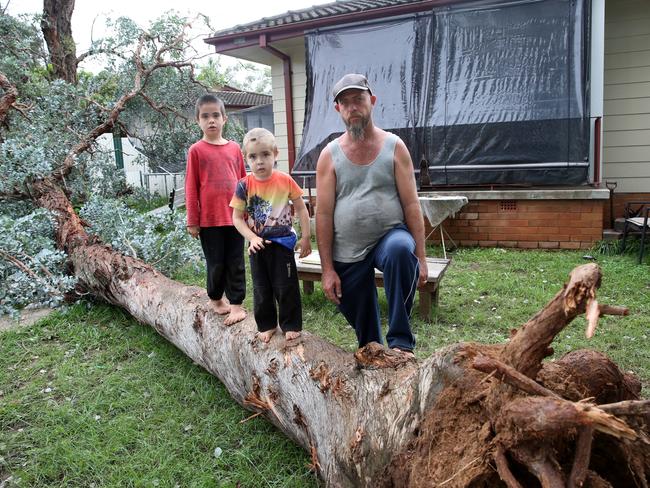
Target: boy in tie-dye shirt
point(262, 214)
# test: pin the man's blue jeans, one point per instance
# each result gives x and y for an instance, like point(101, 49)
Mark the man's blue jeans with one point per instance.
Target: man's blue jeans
point(394, 256)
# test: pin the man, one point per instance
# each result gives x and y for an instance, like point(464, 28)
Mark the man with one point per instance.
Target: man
point(368, 216)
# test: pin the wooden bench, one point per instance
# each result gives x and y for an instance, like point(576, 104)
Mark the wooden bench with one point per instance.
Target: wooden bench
point(176, 198)
point(309, 270)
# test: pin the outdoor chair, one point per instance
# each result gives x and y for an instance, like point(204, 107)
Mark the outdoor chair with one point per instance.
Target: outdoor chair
point(637, 223)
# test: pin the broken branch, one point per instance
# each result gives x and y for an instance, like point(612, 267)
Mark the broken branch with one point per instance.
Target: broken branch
point(511, 376)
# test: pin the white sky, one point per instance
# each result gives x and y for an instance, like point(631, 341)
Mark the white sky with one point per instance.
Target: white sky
point(232, 13)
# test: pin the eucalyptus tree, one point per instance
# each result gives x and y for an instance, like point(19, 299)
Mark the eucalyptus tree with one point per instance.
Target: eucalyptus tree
point(469, 415)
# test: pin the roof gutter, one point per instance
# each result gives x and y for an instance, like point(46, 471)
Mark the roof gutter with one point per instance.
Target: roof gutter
point(237, 40)
point(288, 96)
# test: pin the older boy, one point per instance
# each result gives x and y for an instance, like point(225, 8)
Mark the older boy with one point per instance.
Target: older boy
point(262, 214)
point(214, 165)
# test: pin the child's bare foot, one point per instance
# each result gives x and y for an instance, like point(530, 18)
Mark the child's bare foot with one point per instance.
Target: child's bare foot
point(237, 314)
point(266, 335)
point(291, 334)
point(221, 306)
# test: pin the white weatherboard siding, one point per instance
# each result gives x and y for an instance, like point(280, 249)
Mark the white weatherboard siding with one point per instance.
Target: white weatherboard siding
point(295, 48)
point(626, 122)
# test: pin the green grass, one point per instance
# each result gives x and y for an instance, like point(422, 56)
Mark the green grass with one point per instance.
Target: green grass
point(92, 397)
point(126, 408)
point(143, 205)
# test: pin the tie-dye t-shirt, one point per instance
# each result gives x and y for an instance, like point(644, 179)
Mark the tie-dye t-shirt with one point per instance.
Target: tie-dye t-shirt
point(266, 206)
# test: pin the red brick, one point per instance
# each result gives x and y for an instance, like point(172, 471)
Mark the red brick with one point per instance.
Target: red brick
point(586, 245)
point(507, 243)
point(468, 216)
point(487, 243)
point(549, 245)
point(469, 243)
point(569, 245)
point(527, 245)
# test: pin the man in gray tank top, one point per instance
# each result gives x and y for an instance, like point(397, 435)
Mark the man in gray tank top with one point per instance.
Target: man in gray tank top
point(368, 216)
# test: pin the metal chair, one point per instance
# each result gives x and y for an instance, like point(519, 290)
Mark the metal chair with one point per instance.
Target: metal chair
point(636, 222)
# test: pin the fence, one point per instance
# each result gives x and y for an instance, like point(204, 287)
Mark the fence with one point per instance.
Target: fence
point(161, 183)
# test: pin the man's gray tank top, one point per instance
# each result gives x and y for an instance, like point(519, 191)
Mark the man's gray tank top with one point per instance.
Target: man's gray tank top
point(367, 204)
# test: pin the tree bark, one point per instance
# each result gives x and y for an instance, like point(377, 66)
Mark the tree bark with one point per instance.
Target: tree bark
point(56, 25)
point(351, 419)
point(376, 418)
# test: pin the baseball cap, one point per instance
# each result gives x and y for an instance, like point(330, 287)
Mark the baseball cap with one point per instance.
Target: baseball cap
point(351, 80)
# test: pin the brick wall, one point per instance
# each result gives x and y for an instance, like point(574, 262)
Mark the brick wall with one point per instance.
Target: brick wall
point(528, 224)
point(619, 204)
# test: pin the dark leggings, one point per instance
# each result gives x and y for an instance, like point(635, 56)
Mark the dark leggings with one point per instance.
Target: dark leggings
point(223, 248)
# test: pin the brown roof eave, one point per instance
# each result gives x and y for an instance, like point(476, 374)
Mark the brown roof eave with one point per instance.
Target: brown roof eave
point(295, 29)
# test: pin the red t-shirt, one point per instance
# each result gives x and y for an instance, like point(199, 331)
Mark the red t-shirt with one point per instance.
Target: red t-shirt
point(210, 181)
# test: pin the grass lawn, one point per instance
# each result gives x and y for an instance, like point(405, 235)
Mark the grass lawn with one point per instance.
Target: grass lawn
point(89, 397)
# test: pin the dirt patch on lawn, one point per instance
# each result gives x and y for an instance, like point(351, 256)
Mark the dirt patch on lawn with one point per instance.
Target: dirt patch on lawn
point(26, 318)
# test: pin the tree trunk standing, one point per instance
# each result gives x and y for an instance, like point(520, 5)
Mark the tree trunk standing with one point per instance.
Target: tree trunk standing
point(56, 25)
point(376, 418)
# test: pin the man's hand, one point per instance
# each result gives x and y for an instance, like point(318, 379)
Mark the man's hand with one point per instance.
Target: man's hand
point(193, 230)
point(424, 272)
point(304, 247)
point(332, 286)
point(256, 244)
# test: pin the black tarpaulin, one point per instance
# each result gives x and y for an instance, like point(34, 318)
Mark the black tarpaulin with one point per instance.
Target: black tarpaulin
point(488, 93)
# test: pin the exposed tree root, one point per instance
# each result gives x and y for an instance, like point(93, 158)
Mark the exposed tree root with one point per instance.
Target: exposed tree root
point(531, 423)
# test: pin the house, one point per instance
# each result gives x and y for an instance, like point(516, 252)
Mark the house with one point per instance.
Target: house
point(249, 108)
point(525, 107)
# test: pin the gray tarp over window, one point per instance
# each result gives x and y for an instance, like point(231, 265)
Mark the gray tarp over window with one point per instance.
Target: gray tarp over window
point(488, 93)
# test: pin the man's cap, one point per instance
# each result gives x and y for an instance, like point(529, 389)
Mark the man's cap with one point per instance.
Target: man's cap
point(351, 80)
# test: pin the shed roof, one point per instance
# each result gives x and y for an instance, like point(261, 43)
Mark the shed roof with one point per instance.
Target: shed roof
point(243, 98)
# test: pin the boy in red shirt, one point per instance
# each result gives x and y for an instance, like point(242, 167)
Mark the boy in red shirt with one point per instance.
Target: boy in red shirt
point(214, 165)
point(262, 214)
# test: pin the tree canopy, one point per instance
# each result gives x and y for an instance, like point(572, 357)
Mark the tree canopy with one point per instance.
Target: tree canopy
point(49, 121)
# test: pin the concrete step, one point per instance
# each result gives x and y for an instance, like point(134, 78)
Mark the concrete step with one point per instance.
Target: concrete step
point(611, 235)
point(619, 224)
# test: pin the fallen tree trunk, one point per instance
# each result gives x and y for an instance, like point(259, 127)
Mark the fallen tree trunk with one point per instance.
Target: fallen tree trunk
point(375, 417)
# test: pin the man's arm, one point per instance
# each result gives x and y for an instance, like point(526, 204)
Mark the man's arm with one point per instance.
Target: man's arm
point(325, 202)
point(408, 195)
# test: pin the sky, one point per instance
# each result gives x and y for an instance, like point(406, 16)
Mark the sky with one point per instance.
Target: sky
point(89, 12)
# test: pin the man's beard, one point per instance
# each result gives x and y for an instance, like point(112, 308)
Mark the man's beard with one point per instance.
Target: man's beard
point(357, 129)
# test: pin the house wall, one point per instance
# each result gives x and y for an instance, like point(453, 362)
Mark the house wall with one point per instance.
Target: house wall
point(526, 224)
point(132, 166)
point(296, 49)
point(626, 121)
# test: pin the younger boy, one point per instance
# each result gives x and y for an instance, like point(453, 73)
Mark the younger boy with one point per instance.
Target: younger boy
point(262, 214)
point(214, 165)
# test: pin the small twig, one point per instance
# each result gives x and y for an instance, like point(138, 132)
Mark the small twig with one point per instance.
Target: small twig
point(18, 264)
point(250, 417)
point(504, 469)
point(581, 460)
point(511, 376)
point(613, 310)
point(595, 310)
point(460, 471)
point(126, 239)
point(488, 377)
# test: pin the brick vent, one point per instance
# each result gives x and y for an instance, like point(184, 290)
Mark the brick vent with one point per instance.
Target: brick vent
point(508, 206)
